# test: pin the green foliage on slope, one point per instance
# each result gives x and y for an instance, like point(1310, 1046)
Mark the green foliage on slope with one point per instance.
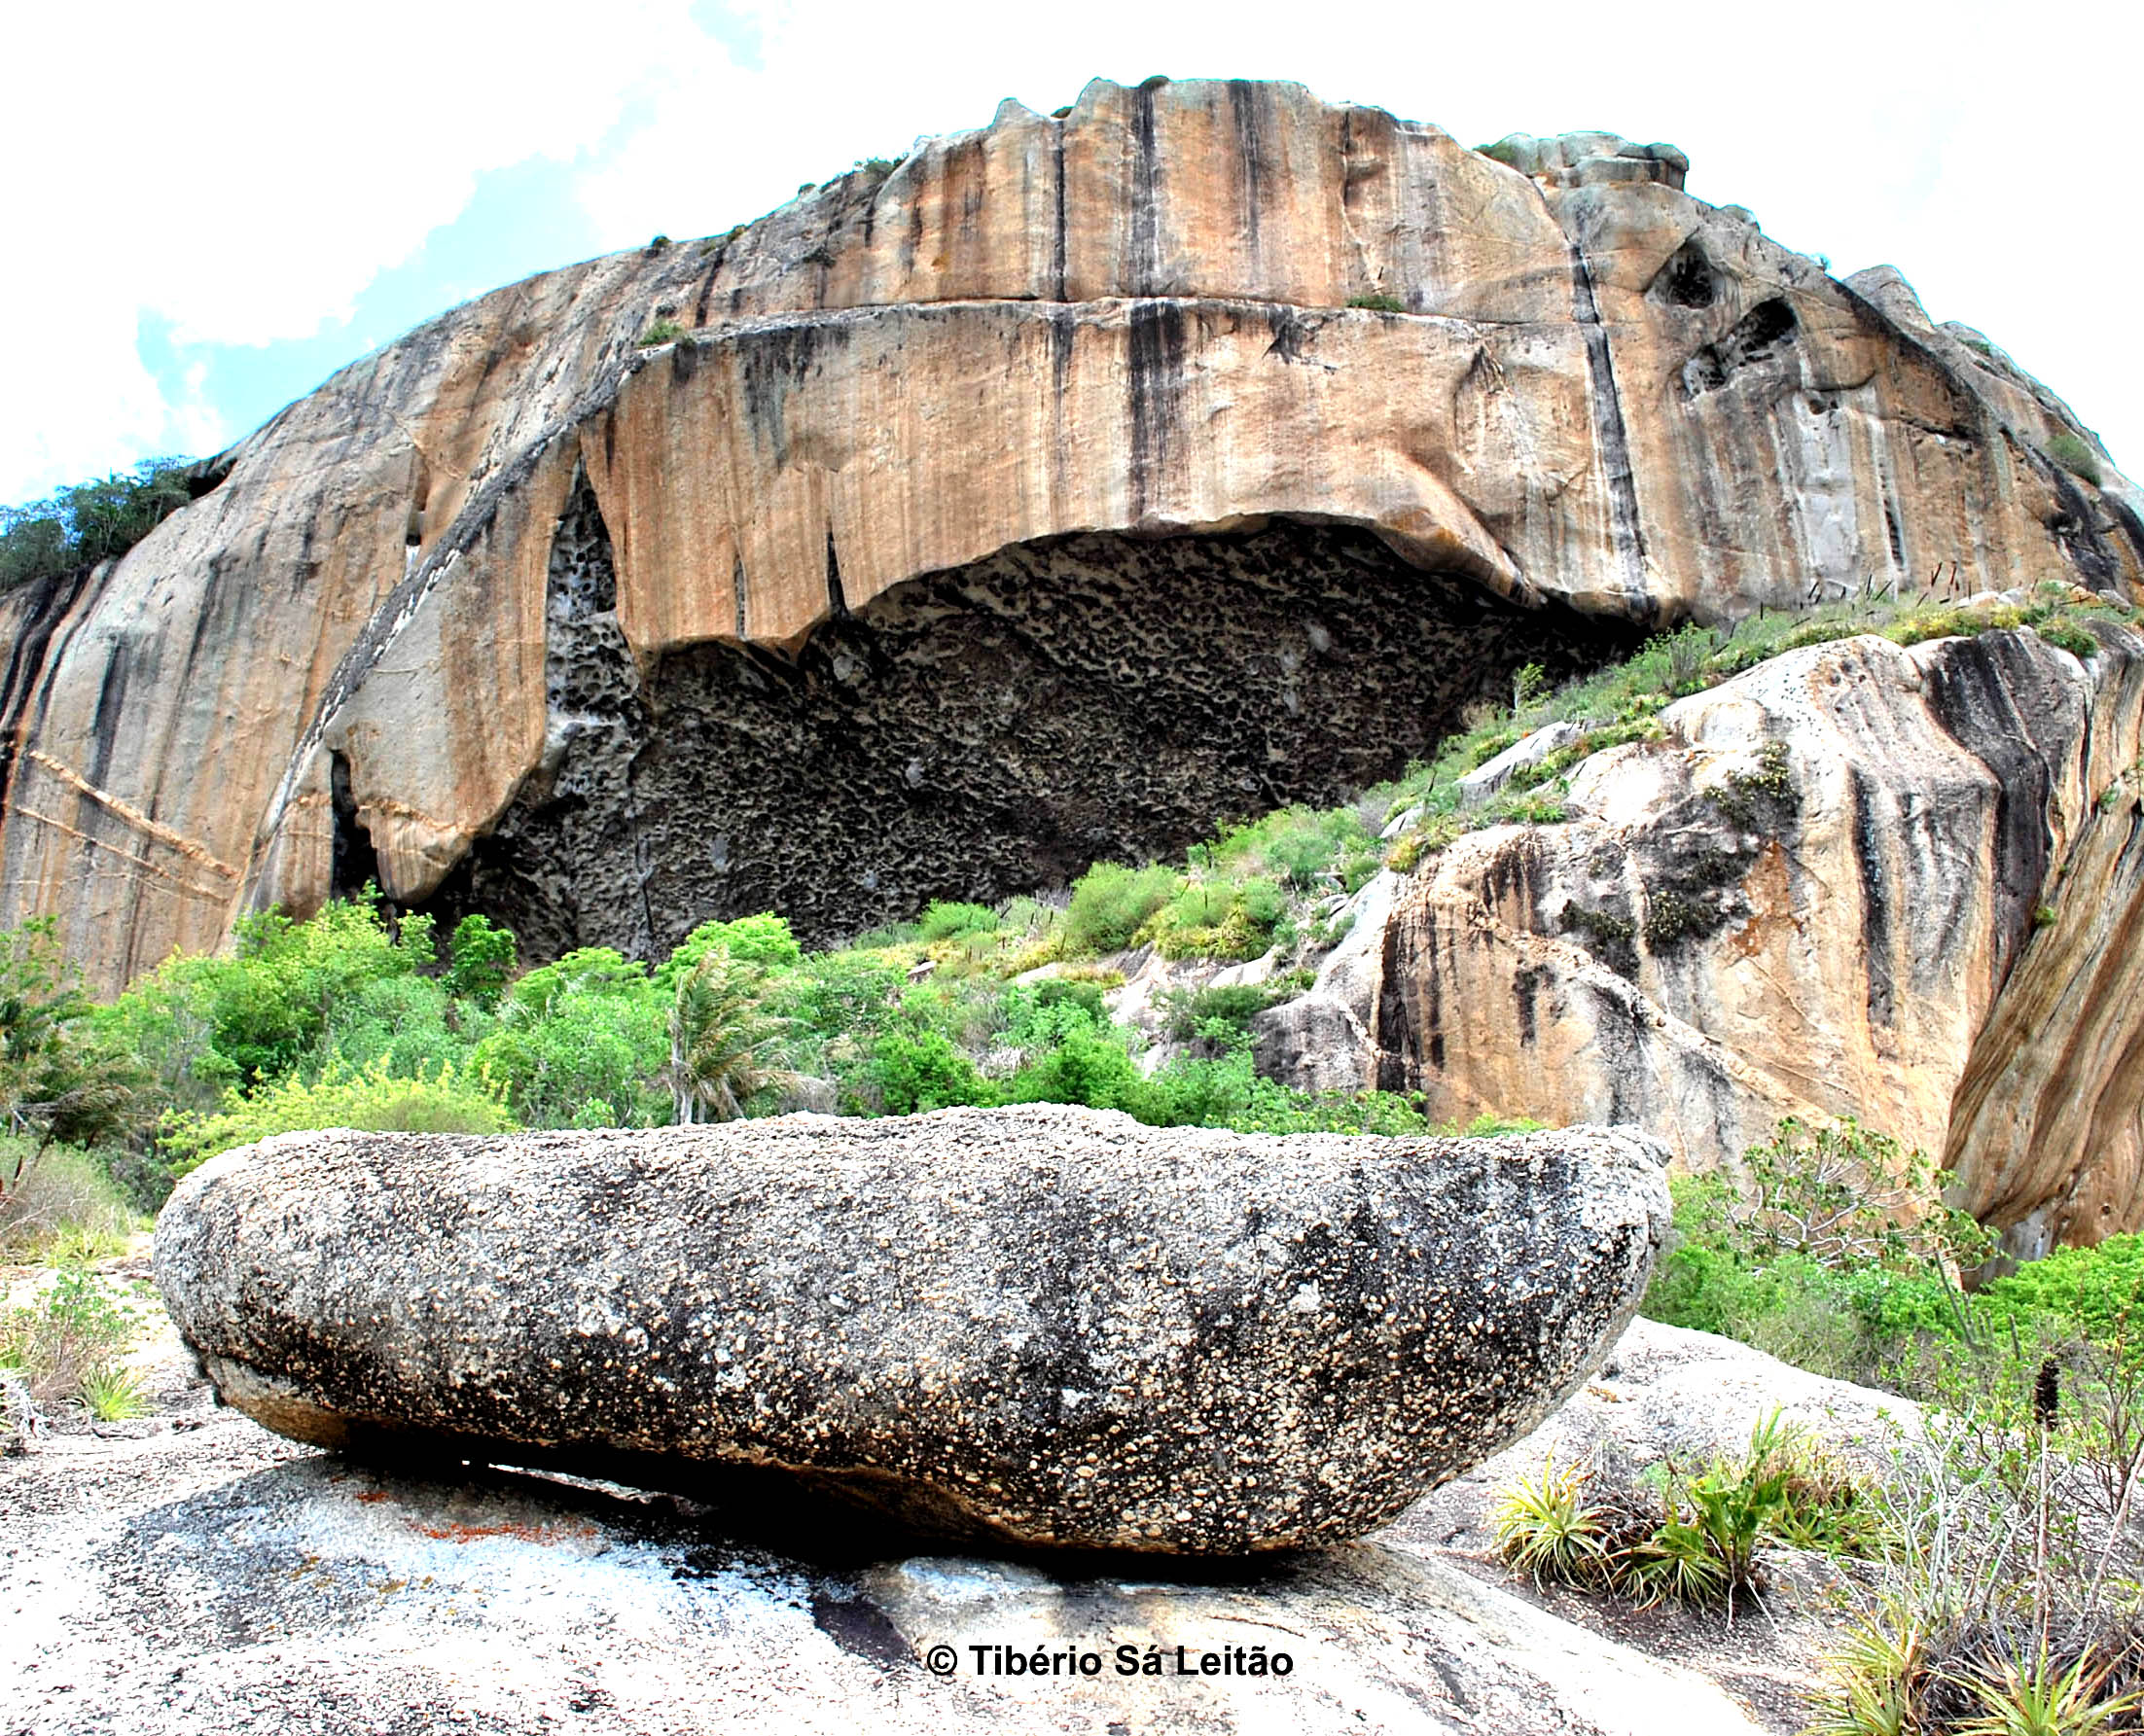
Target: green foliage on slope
point(89, 521)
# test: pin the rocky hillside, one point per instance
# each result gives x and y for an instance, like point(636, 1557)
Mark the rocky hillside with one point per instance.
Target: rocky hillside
point(1203, 447)
point(1898, 882)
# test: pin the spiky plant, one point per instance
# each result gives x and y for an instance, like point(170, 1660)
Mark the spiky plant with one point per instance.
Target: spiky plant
point(112, 1394)
point(1546, 1527)
point(719, 1039)
point(2035, 1696)
point(1875, 1673)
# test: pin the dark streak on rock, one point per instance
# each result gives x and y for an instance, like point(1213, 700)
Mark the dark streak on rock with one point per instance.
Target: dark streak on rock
point(1145, 264)
point(1988, 693)
point(1243, 108)
point(1875, 899)
point(1157, 359)
point(1611, 438)
point(45, 605)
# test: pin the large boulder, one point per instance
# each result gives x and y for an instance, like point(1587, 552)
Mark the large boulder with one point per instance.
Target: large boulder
point(1039, 1327)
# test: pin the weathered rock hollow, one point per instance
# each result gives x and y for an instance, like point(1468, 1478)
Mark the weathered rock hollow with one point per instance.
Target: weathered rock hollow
point(1041, 498)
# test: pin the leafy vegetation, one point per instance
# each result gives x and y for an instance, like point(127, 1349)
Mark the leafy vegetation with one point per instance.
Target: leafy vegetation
point(661, 331)
point(1690, 1534)
point(89, 521)
point(1620, 704)
point(2073, 455)
point(1378, 303)
point(2005, 1567)
point(73, 1329)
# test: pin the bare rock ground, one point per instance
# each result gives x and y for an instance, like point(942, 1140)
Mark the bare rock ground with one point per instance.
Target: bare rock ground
point(190, 1572)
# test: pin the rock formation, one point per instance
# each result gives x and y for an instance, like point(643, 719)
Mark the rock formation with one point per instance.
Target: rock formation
point(1901, 884)
point(1048, 1326)
point(1203, 447)
point(193, 1576)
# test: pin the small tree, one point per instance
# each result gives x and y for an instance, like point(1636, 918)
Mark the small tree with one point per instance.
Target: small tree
point(719, 1039)
point(1844, 1195)
point(54, 1079)
point(481, 958)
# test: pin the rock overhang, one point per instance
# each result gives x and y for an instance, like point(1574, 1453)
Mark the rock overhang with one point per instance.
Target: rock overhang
point(1182, 254)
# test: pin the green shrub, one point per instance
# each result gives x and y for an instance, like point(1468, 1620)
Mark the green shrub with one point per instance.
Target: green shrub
point(944, 921)
point(662, 331)
point(2099, 1290)
point(2073, 455)
point(448, 1100)
point(1212, 1015)
point(1111, 903)
point(61, 1206)
point(74, 1326)
point(480, 961)
point(765, 940)
point(1052, 992)
point(592, 1026)
point(925, 1071)
point(1087, 1064)
point(1378, 303)
point(2070, 637)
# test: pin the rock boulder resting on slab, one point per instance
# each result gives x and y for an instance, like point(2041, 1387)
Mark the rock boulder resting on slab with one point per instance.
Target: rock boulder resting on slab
point(1029, 1327)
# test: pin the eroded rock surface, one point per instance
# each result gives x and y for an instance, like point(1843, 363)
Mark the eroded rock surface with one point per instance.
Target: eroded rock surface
point(1051, 1327)
point(1599, 398)
point(1901, 884)
point(191, 1575)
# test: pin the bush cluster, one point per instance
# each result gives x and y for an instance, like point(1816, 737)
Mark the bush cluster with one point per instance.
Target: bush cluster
point(1694, 1534)
point(89, 521)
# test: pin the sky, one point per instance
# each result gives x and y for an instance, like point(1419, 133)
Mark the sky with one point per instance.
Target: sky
point(211, 208)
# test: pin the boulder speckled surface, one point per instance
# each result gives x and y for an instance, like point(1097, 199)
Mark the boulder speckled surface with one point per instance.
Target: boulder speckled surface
point(1044, 1327)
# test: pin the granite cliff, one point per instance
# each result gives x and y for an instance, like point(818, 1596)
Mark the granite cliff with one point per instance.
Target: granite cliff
point(1202, 448)
point(1030, 500)
point(1900, 883)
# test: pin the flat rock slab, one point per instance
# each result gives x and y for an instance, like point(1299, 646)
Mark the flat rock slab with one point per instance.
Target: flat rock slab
point(1040, 1327)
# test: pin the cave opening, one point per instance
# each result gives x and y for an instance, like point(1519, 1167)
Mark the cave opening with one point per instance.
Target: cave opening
point(982, 731)
point(353, 862)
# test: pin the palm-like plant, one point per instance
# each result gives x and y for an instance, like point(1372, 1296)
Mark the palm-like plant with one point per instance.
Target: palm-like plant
point(2035, 1696)
point(719, 1040)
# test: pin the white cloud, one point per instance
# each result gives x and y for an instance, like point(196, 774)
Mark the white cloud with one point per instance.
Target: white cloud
point(245, 170)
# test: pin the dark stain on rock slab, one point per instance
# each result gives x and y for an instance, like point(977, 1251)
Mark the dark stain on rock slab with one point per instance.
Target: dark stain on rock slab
point(860, 1628)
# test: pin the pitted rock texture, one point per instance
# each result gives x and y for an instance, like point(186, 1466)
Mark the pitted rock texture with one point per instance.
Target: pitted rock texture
point(990, 730)
point(1900, 884)
point(1045, 1327)
point(1131, 319)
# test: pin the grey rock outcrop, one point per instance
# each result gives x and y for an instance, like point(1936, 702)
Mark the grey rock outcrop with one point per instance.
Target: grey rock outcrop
point(1488, 778)
point(1040, 1327)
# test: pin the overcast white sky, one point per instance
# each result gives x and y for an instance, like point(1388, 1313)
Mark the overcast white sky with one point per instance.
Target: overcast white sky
point(212, 207)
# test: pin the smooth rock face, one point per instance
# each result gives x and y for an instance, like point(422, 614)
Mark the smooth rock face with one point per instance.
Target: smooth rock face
point(368, 648)
point(1044, 1327)
point(1900, 884)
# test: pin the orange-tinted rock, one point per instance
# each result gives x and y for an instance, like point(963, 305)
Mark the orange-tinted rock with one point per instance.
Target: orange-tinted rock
point(1599, 394)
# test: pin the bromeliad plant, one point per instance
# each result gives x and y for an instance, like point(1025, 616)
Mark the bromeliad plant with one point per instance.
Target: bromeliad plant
point(1687, 1535)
